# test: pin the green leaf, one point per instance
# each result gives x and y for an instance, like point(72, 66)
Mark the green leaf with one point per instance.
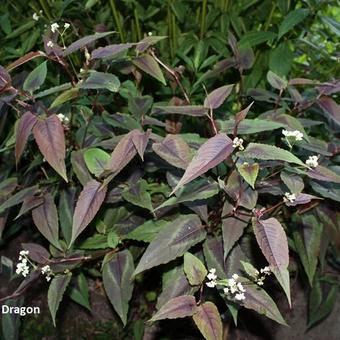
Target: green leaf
point(81, 294)
point(249, 126)
point(208, 321)
point(194, 269)
point(56, 292)
point(138, 195)
point(97, 241)
point(150, 66)
point(293, 182)
point(256, 38)
point(275, 81)
point(178, 307)
point(95, 160)
point(172, 241)
point(112, 239)
point(281, 59)
point(147, 231)
point(65, 97)
point(249, 172)
point(36, 78)
point(270, 152)
point(118, 284)
point(101, 80)
point(291, 20)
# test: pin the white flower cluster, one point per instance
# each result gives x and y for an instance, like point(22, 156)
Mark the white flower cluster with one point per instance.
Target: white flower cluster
point(260, 278)
point(288, 197)
point(235, 288)
point(238, 143)
point(46, 270)
point(50, 44)
point(212, 277)
point(295, 134)
point(23, 267)
point(63, 118)
point(312, 161)
point(55, 26)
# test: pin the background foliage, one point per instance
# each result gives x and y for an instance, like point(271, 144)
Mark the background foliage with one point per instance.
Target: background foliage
point(118, 163)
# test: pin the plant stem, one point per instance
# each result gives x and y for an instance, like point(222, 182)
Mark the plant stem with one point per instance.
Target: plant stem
point(203, 17)
point(139, 33)
point(117, 20)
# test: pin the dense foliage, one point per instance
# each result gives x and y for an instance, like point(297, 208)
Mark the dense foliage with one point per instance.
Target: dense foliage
point(197, 152)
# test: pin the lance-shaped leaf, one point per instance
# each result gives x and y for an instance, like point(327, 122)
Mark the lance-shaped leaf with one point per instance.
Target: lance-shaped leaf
point(147, 231)
point(258, 300)
point(45, 217)
point(79, 167)
point(117, 274)
point(80, 294)
point(96, 160)
point(56, 292)
point(241, 115)
point(172, 241)
point(293, 182)
point(323, 174)
point(208, 321)
point(88, 204)
point(65, 97)
point(140, 141)
point(213, 254)
point(275, 81)
point(249, 172)
point(187, 110)
point(174, 150)
point(49, 135)
point(77, 45)
point(216, 98)
point(302, 199)
point(138, 195)
point(272, 240)
point(145, 43)
point(178, 307)
point(150, 66)
point(36, 252)
point(30, 203)
point(248, 126)
point(211, 153)
point(36, 78)
point(66, 210)
point(194, 269)
point(270, 152)
point(101, 80)
point(23, 131)
point(330, 108)
point(292, 19)
point(109, 51)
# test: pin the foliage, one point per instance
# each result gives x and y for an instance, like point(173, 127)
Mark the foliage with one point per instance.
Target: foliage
point(125, 165)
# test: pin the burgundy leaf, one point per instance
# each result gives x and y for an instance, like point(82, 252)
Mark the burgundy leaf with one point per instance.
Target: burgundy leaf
point(178, 307)
point(242, 114)
point(331, 108)
point(208, 321)
point(301, 81)
point(150, 66)
point(37, 253)
point(5, 78)
point(302, 199)
point(187, 110)
point(272, 240)
point(82, 42)
point(79, 167)
point(45, 218)
point(23, 131)
point(323, 174)
point(49, 135)
point(30, 203)
point(24, 59)
point(140, 141)
point(109, 50)
point(174, 150)
point(88, 204)
point(144, 44)
point(210, 154)
point(216, 98)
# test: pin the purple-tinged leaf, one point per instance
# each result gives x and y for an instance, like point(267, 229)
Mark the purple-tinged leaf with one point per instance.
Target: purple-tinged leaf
point(37, 253)
point(270, 152)
point(30, 203)
point(140, 141)
point(232, 229)
point(49, 135)
point(258, 300)
point(194, 269)
point(178, 307)
point(145, 43)
point(5, 79)
point(272, 240)
point(137, 194)
point(110, 51)
point(330, 108)
point(323, 174)
point(330, 87)
point(66, 211)
point(56, 292)
point(293, 182)
point(242, 114)
point(79, 167)
point(82, 42)
point(45, 217)
point(211, 153)
point(275, 81)
point(187, 110)
point(150, 66)
point(302, 199)
point(172, 241)
point(219, 68)
point(118, 284)
point(174, 150)
point(301, 81)
point(24, 59)
point(208, 320)
point(216, 98)
point(36, 78)
point(248, 126)
point(23, 131)
point(101, 80)
point(88, 204)
point(213, 254)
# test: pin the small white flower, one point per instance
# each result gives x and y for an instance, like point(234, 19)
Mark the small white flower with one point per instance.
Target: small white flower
point(232, 282)
point(289, 197)
point(235, 276)
point(296, 134)
point(239, 297)
point(54, 27)
point(63, 118)
point(226, 290)
point(66, 25)
point(212, 270)
point(238, 143)
point(211, 284)
point(265, 270)
point(48, 278)
point(35, 16)
point(312, 161)
point(50, 44)
point(24, 252)
point(211, 276)
point(46, 269)
point(260, 282)
point(149, 34)
point(240, 287)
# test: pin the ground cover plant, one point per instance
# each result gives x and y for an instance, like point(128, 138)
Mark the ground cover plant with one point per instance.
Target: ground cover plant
point(195, 162)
